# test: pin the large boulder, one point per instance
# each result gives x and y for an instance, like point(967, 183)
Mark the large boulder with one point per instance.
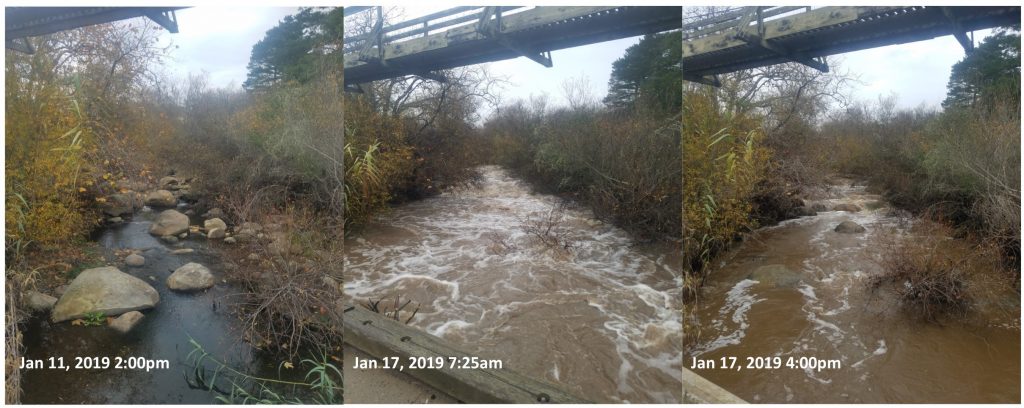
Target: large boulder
point(118, 205)
point(846, 207)
point(191, 276)
point(105, 290)
point(849, 227)
point(777, 276)
point(161, 198)
point(169, 222)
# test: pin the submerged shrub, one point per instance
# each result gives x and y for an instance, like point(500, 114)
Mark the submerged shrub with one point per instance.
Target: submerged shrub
point(929, 283)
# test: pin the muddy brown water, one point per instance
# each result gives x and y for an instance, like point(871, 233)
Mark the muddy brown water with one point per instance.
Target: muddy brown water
point(885, 355)
point(162, 335)
point(603, 321)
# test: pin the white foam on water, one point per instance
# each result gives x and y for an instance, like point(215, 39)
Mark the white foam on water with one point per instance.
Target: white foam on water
point(738, 302)
point(879, 351)
point(446, 244)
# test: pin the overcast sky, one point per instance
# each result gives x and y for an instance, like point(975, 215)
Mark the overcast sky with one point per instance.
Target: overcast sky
point(218, 40)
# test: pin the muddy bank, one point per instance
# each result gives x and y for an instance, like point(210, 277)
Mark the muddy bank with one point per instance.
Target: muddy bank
point(799, 290)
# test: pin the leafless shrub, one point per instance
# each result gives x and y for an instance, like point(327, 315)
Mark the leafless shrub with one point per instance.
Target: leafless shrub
point(291, 299)
point(395, 313)
point(500, 244)
point(929, 282)
point(550, 230)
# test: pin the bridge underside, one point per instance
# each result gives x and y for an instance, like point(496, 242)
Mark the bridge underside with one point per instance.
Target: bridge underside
point(23, 22)
point(833, 30)
point(529, 33)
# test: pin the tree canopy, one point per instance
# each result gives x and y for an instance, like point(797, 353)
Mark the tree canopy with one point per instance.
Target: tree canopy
point(649, 72)
point(291, 50)
point(989, 73)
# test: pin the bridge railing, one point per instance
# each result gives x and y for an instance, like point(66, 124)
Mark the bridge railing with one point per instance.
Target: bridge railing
point(729, 19)
point(420, 26)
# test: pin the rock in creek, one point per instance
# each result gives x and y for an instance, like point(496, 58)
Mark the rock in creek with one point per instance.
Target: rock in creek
point(849, 227)
point(118, 205)
point(777, 276)
point(126, 322)
point(215, 227)
point(134, 260)
point(215, 223)
point(191, 276)
point(106, 290)
point(161, 198)
point(215, 233)
point(169, 222)
point(39, 302)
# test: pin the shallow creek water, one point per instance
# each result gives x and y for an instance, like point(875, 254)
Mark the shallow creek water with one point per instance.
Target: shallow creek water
point(603, 320)
point(885, 355)
point(163, 334)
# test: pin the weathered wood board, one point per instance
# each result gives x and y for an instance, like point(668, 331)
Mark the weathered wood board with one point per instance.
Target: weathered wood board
point(381, 337)
point(698, 390)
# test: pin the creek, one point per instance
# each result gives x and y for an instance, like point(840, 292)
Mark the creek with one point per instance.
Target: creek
point(884, 353)
point(502, 272)
point(163, 334)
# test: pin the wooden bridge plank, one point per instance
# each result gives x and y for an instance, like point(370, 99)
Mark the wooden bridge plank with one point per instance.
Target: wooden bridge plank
point(834, 30)
point(535, 30)
point(698, 390)
point(381, 337)
point(814, 19)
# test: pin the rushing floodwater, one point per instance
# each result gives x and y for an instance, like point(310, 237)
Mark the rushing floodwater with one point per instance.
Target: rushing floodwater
point(603, 319)
point(885, 355)
point(162, 335)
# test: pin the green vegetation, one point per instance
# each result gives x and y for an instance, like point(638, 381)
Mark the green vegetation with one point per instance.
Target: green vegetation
point(648, 74)
point(320, 385)
point(291, 50)
point(724, 163)
point(94, 319)
point(409, 138)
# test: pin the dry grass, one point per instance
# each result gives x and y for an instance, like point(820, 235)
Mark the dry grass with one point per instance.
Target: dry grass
point(12, 354)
